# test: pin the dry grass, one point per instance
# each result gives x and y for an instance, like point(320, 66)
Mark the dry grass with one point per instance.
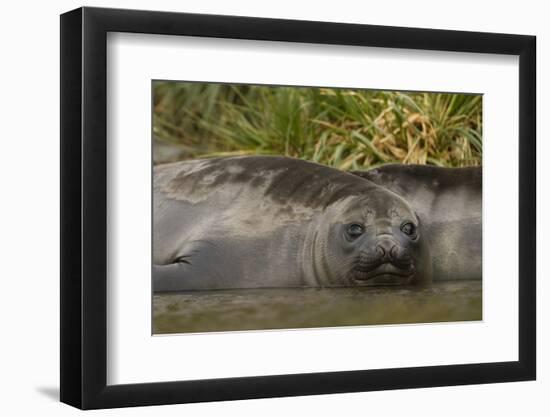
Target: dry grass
point(347, 129)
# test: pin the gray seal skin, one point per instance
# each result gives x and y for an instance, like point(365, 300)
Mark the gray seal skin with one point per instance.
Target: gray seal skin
point(265, 222)
point(449, 204)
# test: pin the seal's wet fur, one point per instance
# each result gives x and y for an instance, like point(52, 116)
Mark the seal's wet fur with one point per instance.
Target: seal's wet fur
point(284, 180)
point(449, 203)
point(264, 221)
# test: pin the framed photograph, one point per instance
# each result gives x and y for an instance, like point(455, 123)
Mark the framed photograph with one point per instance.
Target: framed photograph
point(258, 208)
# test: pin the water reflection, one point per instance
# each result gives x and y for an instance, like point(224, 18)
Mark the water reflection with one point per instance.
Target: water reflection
point(207, 311)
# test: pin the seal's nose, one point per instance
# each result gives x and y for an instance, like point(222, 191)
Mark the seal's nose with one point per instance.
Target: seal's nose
point(386, 249)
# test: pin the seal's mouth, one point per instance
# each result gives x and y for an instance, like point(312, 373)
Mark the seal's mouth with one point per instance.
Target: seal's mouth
point(385, 274)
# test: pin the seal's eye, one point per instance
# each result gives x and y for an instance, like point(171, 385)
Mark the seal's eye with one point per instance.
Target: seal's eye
point(355, 230)
point(409, 229)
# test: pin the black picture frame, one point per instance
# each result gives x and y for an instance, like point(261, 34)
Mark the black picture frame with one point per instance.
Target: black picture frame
point(84, 207)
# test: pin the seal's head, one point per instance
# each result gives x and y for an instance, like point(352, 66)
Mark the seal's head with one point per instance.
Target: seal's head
point(374, 239)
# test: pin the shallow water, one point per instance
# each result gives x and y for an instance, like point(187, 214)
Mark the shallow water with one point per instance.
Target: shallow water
point(254, 309)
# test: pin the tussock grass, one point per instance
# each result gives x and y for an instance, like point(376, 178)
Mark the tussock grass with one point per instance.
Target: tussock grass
point(346, 129)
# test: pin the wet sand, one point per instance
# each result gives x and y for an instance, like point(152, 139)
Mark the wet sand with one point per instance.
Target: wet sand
point(255, 309)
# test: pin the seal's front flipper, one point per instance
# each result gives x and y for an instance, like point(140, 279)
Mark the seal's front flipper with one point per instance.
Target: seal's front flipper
point(201, 265)
point(171, 277)
point(184, 275)
point(180, 276)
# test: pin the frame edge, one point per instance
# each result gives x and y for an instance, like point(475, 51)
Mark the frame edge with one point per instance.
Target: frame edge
point(83, 213)
point(70, 214)
point(527, 207)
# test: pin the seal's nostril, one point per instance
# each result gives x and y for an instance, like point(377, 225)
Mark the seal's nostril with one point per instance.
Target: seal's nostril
point(393, 252)
point(386, 249)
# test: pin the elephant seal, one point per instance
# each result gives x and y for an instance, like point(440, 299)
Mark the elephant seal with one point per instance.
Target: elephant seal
point(266, 221)
point(449, 204)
